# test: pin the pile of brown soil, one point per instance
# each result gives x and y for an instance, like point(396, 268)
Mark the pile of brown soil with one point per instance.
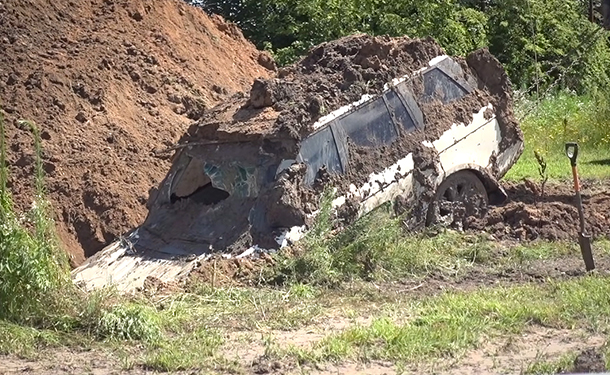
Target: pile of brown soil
point(110, 83)
point(332, 75)
point(529, 216)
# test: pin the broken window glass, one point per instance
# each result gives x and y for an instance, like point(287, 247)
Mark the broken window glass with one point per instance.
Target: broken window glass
point(238, 180)
point(398, 110)
point(317, 151)
point(211, 182)
point(439, 85)
point(371, 125)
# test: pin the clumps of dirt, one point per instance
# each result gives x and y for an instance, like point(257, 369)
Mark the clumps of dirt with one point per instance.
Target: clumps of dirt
point(110, 83)
point(590, 360)
point(335, 74)
point(527, 216)
point(218, 271)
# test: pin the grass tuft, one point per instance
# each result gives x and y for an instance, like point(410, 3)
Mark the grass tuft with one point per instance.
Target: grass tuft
point(376, 247)
point(561, 365)
point(129, 321)
point(187, 351)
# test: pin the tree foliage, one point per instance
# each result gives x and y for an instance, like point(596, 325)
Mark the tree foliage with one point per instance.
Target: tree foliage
point(536, 40)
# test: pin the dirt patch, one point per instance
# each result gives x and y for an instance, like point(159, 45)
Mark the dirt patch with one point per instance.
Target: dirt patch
point(590, 360)
point(67, 361)
point(529, 216)
point(110, 83)
point(220, 271)
point(515, 354)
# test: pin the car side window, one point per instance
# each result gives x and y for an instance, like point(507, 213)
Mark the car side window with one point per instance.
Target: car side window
point(318, 150)
point(439, 85)
point(399, 112)
point(369, 126)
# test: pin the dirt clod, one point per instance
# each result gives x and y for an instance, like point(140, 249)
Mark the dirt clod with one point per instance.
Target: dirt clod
point(590, 360)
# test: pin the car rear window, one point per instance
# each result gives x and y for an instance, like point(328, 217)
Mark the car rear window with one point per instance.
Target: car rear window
point(398, 110)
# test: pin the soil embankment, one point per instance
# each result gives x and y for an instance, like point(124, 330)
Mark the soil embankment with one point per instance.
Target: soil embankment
point(110, 83)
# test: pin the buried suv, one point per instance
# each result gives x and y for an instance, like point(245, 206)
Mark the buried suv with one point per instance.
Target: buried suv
point(434, 140)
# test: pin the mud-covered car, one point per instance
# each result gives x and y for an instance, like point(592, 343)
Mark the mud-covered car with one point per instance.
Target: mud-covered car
point(375, 120)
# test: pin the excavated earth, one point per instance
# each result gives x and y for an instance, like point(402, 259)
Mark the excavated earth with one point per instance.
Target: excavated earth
point(529, 215)
point(110, 83)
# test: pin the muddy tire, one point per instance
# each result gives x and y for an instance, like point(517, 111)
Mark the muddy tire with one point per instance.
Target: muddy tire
point(459, 197)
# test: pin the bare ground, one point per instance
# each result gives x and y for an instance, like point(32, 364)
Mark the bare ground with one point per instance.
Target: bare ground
point(495, 355)
point(248, 349)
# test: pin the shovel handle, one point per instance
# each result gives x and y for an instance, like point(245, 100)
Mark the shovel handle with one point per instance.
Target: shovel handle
point(572, 152)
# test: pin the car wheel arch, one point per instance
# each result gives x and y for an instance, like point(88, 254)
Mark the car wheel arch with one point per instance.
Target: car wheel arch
point(495, 193)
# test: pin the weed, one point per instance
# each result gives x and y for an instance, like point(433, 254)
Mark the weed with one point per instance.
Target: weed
point(23, 341)
point(185, 352)
point(129, 322)
point(544, 176)
point(315, 262)
point(33, 269)
point(542, 366)
point(540, 250)
point(375, 247)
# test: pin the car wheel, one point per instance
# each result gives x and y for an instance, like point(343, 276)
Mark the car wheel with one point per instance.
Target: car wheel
point(460, 196)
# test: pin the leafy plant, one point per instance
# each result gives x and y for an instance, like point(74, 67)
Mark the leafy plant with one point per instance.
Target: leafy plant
point(33, 270)
point(129, 322)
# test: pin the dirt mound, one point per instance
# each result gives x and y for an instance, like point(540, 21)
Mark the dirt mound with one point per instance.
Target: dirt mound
point(110, 83)
point(590, 360)
point(332, 75)
point(529, 216)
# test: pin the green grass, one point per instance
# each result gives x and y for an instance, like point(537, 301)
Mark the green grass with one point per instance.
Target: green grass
point(242, 308)
point(189, 350)
point(562, 118)
point(450, 324)
point(592, 164)
point(563, 364)
point(24, 341)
